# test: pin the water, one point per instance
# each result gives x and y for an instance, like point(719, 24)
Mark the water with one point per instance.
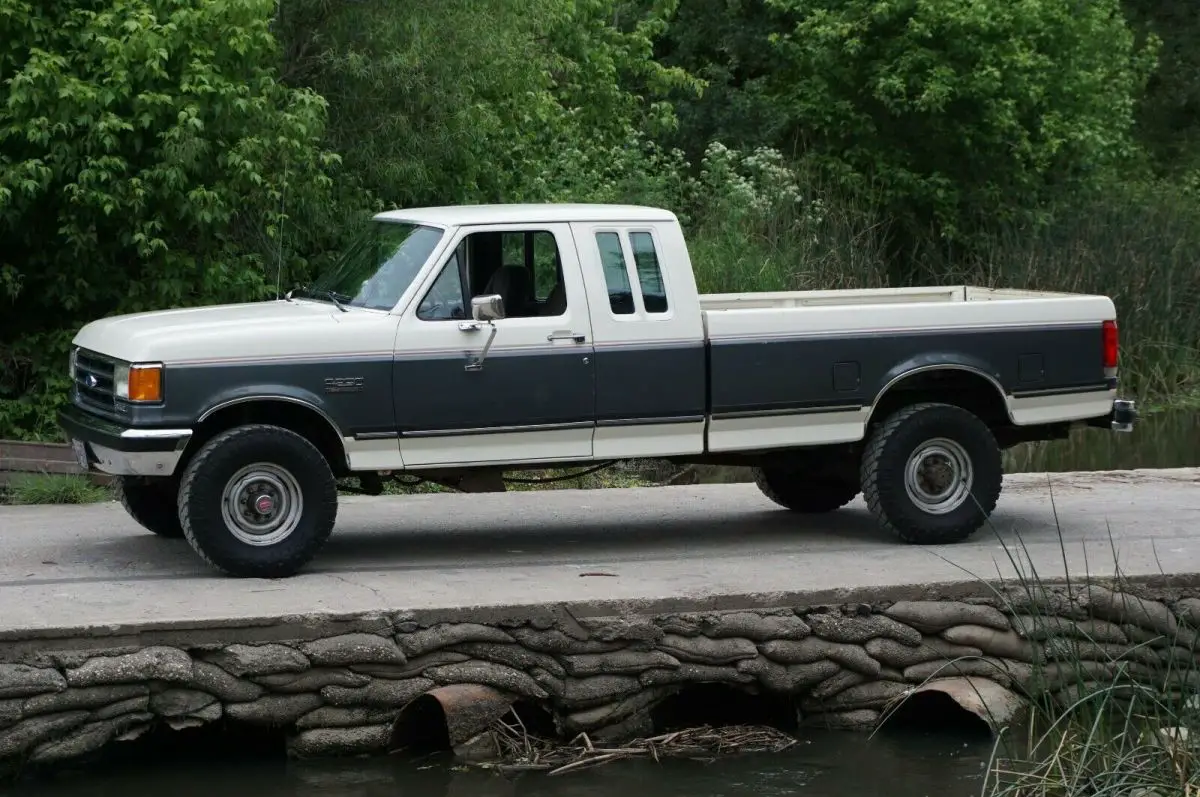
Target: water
point(823, 764)
point(1162, 440)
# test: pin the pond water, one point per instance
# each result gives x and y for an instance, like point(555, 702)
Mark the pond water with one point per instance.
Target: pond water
point(1160, 440)
point(823, 764)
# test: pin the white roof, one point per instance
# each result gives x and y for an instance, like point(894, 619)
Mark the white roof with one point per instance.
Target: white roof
point(457, 215)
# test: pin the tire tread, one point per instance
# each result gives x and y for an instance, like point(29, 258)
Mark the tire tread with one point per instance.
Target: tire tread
point(158, 520)
point(874, 487)
point(278, 568)
point(801, 499)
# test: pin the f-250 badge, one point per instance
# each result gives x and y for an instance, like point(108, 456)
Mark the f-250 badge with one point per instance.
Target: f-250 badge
point(344, 384)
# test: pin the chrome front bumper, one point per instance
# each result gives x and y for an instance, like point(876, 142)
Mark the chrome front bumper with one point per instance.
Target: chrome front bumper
point(119, 450)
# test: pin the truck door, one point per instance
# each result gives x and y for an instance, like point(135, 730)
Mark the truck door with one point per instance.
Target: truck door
point(531, 396)
point(650, 345)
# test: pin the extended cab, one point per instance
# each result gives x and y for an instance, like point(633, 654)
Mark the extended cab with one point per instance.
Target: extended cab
point(455, 343)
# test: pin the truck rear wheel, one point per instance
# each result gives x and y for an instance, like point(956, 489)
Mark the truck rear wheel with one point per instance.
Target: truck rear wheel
point(932, 473)
point(152, 502)
point(800, 491)
point(258, 501)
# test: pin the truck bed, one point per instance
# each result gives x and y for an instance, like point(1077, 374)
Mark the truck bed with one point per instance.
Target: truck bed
point(883, 311)
point(866, 296)
point(807, 367)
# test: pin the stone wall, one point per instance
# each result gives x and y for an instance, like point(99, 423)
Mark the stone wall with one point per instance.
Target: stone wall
point(338, 691)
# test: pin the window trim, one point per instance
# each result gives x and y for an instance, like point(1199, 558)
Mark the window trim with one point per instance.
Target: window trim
point(635, 283)
point(459, 242)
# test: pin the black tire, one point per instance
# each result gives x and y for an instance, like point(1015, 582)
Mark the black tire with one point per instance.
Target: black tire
point(800, 491)
point(152, 502)
point(283, 461)
point(886, 483)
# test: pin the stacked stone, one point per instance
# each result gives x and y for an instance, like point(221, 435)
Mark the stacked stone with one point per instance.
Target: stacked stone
point(841, 664)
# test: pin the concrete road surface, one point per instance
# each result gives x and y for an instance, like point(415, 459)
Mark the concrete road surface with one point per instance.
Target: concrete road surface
point(68, 567)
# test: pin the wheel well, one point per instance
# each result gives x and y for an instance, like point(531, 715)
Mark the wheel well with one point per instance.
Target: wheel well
point(302, 420)
point(967, 389)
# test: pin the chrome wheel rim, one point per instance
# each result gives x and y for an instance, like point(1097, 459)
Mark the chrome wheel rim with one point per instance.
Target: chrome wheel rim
point(262, 504)
point(939, 476)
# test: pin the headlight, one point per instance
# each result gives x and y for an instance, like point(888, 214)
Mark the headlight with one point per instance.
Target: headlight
point(139, 382)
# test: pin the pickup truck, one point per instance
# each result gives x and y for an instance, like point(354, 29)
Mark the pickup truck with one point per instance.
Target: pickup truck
point(454, 343)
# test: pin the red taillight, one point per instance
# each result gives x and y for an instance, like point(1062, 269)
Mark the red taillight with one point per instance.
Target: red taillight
point(1111, 344)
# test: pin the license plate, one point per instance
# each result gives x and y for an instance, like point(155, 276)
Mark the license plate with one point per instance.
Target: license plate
point(80, 450)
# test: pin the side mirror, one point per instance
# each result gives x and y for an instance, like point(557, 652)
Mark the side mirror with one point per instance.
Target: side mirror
point(487, 308)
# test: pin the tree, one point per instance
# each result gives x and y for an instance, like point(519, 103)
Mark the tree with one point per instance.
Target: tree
point(962, 110)
point(148, 158)
point(445, 101)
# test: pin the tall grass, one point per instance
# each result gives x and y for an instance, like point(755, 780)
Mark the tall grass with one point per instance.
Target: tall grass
point(1108, 720)
point(1105, 717)
point(1140, 248)
point(762, 224)
point(37, 488)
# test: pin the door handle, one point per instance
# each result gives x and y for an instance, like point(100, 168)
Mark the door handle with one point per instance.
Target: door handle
point(566, 336)
point(470, 326)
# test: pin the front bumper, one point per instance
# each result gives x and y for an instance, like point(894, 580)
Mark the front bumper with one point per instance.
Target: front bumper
point(120, 450)
point(1121, 418)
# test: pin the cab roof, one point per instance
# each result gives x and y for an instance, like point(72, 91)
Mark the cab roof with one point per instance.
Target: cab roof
point(547, 213)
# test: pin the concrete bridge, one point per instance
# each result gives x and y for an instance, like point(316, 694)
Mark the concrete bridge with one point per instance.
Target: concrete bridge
point(594, 605)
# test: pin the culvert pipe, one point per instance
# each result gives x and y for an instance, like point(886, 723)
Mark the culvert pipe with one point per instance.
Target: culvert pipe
point(457, 717)
point(994, 705)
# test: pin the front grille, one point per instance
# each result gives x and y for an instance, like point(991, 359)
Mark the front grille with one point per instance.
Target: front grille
point(94, 377)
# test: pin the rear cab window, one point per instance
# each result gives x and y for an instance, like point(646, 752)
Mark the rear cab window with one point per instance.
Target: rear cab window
point(616, 250)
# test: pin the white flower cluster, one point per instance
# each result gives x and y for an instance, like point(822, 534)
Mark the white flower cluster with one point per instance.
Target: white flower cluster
point(758, 181)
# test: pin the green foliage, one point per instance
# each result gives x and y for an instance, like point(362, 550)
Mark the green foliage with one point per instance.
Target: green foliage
point(762, 224)
point(426, 110)
point(1139, 245)
point(148, 158)
point(28, 488)
point(950, 112)
point(962, 110)
point(1169, 112)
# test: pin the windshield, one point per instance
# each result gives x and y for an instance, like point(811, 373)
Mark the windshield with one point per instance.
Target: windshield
point(377, 268)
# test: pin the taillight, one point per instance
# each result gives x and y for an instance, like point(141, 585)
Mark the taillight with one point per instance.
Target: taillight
point(1111, 344)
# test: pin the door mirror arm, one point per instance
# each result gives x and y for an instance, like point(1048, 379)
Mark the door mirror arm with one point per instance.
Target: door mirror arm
point(485, 310)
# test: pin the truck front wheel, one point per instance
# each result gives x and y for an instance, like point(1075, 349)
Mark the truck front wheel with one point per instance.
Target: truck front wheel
point(932, 473)
point(152, 503)
point(800, 491)
point(258, 501)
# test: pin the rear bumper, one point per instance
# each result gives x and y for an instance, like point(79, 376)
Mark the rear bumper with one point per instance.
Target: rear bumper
point(121, 450)
point(1121, 418)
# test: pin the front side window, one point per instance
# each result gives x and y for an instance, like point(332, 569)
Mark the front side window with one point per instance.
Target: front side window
point(379, 266)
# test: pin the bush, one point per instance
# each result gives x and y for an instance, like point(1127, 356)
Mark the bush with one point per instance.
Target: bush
point(148, 159)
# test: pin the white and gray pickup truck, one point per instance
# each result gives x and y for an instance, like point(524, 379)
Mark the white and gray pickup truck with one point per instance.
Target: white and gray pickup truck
point(453, 344)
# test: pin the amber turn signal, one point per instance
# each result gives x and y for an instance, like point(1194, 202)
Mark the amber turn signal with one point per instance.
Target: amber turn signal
point(145, 383)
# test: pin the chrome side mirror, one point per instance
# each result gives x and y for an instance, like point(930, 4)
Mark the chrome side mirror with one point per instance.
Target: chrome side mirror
point(487, 308)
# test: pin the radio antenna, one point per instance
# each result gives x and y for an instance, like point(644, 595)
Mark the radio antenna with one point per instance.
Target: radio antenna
point(282, 197)
point(282, 221)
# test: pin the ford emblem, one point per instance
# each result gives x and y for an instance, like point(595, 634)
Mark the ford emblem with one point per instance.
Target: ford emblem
point(90, 380)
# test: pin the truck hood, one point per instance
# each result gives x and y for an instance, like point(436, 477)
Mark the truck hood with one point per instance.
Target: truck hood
point(248, 331)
